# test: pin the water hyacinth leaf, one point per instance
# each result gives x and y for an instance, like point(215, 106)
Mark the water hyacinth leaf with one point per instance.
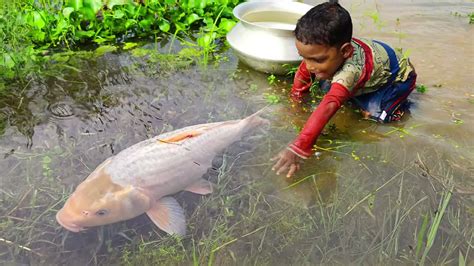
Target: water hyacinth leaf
point(67, 12)
point(191, 18)
point(82, 33)
point(39, 36)
point(118, 14)
point(104, 49)
point(207, 39)
point(38, 20)
point(111, 3)
point(129, 45)
point(146, 23)
point(7, 61)
point(200, 4)
point(164, 25)
point(88, 13)
point(226, 25)
point(61, 27)
point(76, 4)
point(94, 5)
point(129, 23)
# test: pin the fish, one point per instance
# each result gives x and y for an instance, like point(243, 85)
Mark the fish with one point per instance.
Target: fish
point(143, 177)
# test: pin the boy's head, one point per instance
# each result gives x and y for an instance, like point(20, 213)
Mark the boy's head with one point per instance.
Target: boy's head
point(323, 38)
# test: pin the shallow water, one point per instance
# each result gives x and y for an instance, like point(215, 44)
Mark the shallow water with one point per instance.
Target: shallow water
point(362, 201)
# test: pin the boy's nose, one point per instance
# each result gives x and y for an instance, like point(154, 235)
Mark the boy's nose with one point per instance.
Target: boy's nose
point(311, 67)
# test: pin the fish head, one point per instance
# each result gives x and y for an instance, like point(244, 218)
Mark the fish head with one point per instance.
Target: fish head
point(99, 201)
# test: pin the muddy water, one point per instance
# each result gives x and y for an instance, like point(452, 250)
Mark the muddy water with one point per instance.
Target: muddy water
point(362, 201)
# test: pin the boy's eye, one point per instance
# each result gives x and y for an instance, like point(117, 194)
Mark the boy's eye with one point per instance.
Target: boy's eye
point(101, 212)
point(318, 60)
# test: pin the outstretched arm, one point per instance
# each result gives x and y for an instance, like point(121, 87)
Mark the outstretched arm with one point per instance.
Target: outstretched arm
point(302, 146)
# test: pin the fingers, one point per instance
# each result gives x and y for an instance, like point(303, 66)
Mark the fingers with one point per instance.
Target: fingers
point(286, 161)
point(293, 168)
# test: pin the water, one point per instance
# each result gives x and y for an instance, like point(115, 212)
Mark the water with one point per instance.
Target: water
point(273, 19)
point(57, 129)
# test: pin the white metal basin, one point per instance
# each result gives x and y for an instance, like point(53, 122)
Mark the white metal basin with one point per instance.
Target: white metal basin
point(263, 38)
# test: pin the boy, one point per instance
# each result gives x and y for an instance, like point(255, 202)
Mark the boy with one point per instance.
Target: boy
point(370, 73)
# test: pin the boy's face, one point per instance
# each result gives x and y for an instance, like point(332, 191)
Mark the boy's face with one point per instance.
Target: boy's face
point(323, 60)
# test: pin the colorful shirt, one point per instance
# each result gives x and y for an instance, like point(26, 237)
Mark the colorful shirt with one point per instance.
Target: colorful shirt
point(350, 72)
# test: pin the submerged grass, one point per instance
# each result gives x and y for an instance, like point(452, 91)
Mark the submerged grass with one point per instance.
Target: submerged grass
point(253, 217)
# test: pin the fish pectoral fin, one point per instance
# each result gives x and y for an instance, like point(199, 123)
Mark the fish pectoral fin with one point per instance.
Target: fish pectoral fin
point(168, 216)
point(202, 187)
point(181, 136)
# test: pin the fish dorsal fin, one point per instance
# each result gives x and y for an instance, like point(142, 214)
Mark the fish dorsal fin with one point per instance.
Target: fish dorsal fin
point(202, 187)
point(182, 136)
point(168, 216)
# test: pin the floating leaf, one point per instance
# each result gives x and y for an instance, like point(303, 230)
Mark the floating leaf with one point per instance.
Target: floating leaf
point(129, 45)
point(146, 23)
point(191, 18)
point(118, 14)
point(67, 12)
point(129, 23)
point(206, 40)
point(76, 4)
point(82, 33)
point(94, 5)
point(164, 26)
point(7, 61)
point(111, 3)
point(226, 25)
point(104, 49)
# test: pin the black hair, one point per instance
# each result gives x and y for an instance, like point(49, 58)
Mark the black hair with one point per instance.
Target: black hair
point(325, 24)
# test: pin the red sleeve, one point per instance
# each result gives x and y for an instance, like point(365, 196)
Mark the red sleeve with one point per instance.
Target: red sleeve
point(301, 82)
point(331, 102)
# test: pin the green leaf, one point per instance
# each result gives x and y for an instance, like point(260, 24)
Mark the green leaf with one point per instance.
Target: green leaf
point(129, 45)
point(67, 12)
point(7, 61)
point(201, 4)
point(34, 19)
point(104, 49)
point(191, 18)
point(206, 40)
point(164, 25)
point(82, 33)
point(111, 3)
point(129, 23)
point(118, 14)
point(88, 13)
point(145, 24)
point(94, 5)
point(76, 4)
point(226, 25)
point(39, 36)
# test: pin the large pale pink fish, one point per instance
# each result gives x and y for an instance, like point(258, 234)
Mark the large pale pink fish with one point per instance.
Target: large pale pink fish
point(141, 178)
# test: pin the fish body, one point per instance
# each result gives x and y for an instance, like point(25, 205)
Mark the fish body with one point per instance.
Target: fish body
point(141, 178)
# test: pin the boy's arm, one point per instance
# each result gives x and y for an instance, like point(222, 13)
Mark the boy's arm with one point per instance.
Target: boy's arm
point(301, 82)
point(332, 101)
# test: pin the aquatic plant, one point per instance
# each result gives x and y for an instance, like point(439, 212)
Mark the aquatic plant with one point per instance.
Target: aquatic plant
point(29, 29)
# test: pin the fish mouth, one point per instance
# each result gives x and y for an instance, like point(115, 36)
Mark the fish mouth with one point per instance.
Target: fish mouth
point(69, 226)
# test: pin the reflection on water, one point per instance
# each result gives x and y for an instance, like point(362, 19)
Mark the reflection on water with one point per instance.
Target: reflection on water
point(56, 129)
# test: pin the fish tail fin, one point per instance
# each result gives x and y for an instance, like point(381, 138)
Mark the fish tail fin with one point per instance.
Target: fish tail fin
point(255, 119)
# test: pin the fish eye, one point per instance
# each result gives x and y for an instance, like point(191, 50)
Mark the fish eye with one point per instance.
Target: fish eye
point(101, 212)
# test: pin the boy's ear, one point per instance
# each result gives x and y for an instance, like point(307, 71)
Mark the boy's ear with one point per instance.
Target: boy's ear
point(347, 49)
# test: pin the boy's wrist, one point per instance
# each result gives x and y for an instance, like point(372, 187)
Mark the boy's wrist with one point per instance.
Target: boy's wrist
point(299, 152)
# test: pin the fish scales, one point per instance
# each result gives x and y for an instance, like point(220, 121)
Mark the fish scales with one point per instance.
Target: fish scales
point(141, 178)
point(142, 161)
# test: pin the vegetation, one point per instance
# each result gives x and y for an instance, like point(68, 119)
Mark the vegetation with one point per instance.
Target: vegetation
point(29, 30)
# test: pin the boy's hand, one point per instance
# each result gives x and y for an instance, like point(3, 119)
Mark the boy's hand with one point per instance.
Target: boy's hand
point(286, 160)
